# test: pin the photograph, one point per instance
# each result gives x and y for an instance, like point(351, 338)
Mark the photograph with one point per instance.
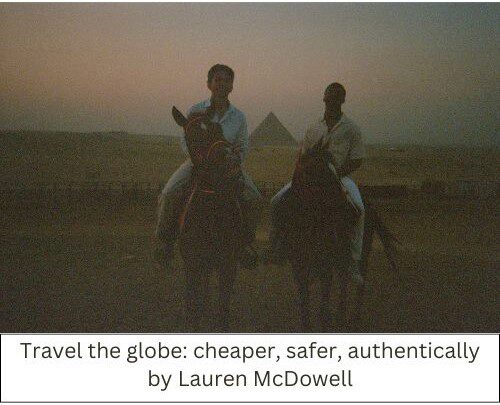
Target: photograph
point(249, 168)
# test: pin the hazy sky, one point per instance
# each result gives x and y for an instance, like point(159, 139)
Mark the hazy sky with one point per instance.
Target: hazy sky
point(413, 72)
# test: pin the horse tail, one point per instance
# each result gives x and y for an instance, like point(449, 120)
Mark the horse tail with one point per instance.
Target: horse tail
point(374, 224)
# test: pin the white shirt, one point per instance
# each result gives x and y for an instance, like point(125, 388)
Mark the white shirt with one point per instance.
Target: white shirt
point(234, 127)
point(345, 140)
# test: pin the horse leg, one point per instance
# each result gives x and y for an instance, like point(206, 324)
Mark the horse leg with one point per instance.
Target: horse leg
point(365, 254)
point(226, 280)
point(192, 318)
point(326, 314)
point(304, 307)
point(196, 296)
point(203, 298)
point(302, 280)
point(342, 303)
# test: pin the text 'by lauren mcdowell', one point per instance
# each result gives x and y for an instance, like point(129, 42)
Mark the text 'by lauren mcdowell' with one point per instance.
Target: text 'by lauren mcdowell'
point(287, 378)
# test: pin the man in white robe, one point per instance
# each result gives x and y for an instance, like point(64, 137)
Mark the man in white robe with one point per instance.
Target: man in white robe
point(347, 149)
point(234, 129)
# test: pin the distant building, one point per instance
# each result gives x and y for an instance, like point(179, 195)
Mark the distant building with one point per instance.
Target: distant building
point(271, 132)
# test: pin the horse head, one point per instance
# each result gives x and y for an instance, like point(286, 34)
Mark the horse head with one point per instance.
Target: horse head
point(318, 187)
point(210, 221)
point(211, 154)
point(313, 171)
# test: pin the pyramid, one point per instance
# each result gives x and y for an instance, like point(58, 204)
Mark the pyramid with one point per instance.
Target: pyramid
point(271, 132)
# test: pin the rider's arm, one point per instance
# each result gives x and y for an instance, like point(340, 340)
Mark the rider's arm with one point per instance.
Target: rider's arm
point(356, 153)
point(306, 142)
point(191, 110)
point(195, 109)
point(184, 146)
point(242, 144)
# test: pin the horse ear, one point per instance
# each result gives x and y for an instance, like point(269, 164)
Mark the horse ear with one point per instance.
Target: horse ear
point(178, 117)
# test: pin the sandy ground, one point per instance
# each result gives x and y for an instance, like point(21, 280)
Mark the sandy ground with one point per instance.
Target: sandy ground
point(92, 270)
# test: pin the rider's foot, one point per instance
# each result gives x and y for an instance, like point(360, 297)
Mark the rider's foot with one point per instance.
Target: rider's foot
point(248, 258)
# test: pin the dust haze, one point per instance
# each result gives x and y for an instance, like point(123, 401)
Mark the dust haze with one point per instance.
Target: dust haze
point(414, 73)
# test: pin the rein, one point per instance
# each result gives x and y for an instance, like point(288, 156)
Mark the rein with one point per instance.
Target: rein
point(212, 147)
point(202, 156)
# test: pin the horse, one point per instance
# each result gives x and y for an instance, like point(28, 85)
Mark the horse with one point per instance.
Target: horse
point(210, 221)
point(315, 219)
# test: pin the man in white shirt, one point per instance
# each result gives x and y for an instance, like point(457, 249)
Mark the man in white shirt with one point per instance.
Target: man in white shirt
point(347, 149)
point(234, 128)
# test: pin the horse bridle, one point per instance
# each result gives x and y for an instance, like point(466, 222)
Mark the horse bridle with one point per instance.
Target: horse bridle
point(200, 159)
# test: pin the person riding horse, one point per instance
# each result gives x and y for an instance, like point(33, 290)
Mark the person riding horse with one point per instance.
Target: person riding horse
point(210, 222)
point(233, 124)
point(346, 149)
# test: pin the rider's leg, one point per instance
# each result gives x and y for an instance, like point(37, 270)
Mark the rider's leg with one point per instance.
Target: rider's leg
point(356, 242)
point(167, 226)
point(276, 253)
point(251, 207)
point(251, 201)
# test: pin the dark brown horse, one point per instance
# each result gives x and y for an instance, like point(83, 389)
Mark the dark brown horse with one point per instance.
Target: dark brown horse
point(315, 219)
point(210, 219)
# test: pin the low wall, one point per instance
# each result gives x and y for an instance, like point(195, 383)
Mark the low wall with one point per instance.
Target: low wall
point(126, 192)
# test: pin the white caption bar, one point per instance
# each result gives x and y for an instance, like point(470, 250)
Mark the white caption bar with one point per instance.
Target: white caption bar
point(249, 368)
